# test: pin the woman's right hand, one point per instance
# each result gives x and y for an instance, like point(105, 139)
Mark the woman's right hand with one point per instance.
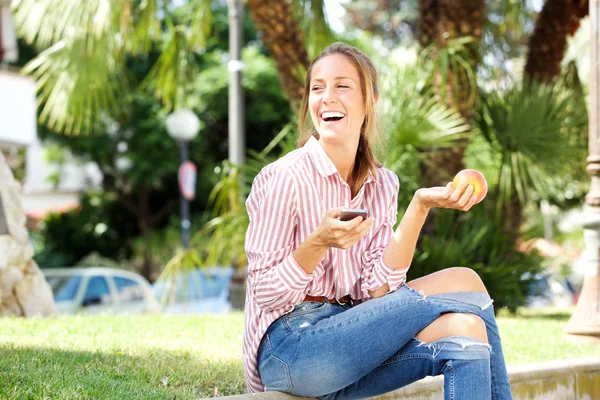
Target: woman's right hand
point(341, 234)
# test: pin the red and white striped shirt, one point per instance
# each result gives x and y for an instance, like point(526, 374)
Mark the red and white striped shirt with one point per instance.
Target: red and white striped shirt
point(288, 201)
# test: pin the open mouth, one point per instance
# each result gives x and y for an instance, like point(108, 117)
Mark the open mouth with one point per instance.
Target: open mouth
point(332, 116)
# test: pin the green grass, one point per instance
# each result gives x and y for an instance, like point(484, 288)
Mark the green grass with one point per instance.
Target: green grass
point(183, 357)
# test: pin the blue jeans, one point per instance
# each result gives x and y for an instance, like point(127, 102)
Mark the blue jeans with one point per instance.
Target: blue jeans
point(352, 352)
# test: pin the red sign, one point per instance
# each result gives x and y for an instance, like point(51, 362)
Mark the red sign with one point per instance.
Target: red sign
point(187, 180)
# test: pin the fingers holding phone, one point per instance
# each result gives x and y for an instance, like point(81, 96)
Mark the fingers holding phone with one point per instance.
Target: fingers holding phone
point(348, 214)
point(342, 228)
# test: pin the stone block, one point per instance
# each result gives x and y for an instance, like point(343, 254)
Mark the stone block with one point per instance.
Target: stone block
point(9, 278)
point(34, 293)
point(9, 307)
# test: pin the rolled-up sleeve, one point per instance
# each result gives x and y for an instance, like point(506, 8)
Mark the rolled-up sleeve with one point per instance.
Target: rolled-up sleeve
point(376, 272)
point(274, 276)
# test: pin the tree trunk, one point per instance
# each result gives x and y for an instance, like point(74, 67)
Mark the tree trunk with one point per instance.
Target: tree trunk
point(282, 37)
point(548, 43)
point(23, 288)
point(439, 22)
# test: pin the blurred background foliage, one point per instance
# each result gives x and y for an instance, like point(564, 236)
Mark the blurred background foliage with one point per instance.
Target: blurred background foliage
point(475, 84)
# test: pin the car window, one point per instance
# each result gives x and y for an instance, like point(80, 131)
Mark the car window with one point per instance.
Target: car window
point(214, 285)
point(64, 288)
point(128, 289)
point(97, 292)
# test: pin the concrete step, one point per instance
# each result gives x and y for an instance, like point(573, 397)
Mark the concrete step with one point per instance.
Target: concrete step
point(576, 379)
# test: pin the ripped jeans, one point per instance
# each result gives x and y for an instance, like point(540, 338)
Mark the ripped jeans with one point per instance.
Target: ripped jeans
point(333, 351)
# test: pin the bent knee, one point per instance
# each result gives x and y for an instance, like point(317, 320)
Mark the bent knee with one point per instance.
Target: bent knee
point(455, 279)
point(454, 324)
point(466, 279)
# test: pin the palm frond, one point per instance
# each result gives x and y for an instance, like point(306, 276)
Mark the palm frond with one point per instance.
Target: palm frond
point(200, 23)
point(144, 26)
point(45, 22)
point(453, 61)
point(410, 115)
point(76, 81)
point(171, 73)
point(313, 19)
point(533, 128)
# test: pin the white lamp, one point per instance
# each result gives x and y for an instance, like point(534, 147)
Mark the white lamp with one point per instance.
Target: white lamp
point(183, 126)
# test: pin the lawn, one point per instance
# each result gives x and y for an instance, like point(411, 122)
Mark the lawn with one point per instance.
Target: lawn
point(183, 357)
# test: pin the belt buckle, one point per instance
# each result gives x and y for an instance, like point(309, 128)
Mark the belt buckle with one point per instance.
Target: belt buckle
point(338, 301)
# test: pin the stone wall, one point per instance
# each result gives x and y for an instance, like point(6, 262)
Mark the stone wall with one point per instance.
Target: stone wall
point(23, 288)
point(576, 379)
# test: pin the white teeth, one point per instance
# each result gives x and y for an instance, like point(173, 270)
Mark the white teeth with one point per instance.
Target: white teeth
point(332, 114)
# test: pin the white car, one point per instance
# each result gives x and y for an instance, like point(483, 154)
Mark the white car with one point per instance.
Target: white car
point(198, 290)
point(100, 290)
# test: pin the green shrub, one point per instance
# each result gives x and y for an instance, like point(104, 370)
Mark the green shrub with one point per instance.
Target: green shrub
point(477, 241)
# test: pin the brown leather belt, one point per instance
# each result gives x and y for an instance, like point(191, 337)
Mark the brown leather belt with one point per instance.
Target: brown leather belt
point(321, 299)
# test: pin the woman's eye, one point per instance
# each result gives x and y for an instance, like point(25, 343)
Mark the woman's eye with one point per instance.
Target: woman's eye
point(344, 86)
point(316, 88)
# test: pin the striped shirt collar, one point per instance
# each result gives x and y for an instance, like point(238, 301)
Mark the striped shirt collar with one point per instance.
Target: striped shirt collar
point(323, 163)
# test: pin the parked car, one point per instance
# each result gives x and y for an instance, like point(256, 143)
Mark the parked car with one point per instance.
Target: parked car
point(97, 290)
point(198, 290)
point(550, 290)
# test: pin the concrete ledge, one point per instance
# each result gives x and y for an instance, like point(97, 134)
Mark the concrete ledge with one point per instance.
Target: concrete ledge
point(566, 379)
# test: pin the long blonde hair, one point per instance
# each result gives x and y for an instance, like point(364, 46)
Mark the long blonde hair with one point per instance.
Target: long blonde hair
point(365, 161)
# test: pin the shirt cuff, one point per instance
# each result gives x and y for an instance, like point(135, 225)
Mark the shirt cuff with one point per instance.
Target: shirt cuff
point(397, 278)
point(293, 275)
point(381, 272)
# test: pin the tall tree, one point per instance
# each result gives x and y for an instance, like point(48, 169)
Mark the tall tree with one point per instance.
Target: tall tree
point(442, 24)
point(548, 43)
point(293, 32)
point(283, 38)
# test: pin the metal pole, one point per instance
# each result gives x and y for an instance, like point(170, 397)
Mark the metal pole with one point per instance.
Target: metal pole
point(237, 141)
point(585, 321)
point(184, 204)
point(237, 137)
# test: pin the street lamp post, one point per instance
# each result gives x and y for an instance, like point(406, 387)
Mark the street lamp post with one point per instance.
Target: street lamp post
point(585, 321)
point(183, 126)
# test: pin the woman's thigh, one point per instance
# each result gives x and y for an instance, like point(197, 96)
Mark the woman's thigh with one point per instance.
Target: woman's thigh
point(326, 349)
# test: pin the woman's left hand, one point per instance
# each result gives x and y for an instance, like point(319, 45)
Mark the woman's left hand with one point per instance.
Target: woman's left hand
point(461, 198)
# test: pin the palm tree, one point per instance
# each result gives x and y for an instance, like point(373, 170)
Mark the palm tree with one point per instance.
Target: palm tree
point(284, 40)
point(81, 72)
point(450, 32)
point(548, 43)
point(293, 32)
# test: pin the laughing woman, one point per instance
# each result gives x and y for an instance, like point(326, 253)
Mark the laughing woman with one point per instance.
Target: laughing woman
point(329, 313)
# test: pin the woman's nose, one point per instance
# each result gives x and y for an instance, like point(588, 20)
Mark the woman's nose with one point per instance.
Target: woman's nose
point(329, 95)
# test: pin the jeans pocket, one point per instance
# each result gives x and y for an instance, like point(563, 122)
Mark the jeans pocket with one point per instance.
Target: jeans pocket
point(305, 307)
point(273, 371)
point(307, 314)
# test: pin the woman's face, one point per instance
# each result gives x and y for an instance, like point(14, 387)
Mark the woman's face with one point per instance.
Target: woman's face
point(335, 101)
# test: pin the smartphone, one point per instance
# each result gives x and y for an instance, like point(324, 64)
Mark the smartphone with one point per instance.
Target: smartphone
point(351, 213)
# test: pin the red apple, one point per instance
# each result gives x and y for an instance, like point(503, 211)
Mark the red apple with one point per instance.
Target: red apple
point(475, 178)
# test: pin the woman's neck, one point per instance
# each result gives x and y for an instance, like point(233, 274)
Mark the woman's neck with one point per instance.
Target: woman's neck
point(343, 158)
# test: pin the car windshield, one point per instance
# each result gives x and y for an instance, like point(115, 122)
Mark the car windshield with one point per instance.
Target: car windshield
point(64, 287)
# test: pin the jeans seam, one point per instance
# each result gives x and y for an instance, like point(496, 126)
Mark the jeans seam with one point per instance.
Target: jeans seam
point(451, 384)
point(283, 363)
point(408, 357)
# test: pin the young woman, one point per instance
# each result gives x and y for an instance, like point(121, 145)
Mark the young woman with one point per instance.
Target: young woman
point(329, 313)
